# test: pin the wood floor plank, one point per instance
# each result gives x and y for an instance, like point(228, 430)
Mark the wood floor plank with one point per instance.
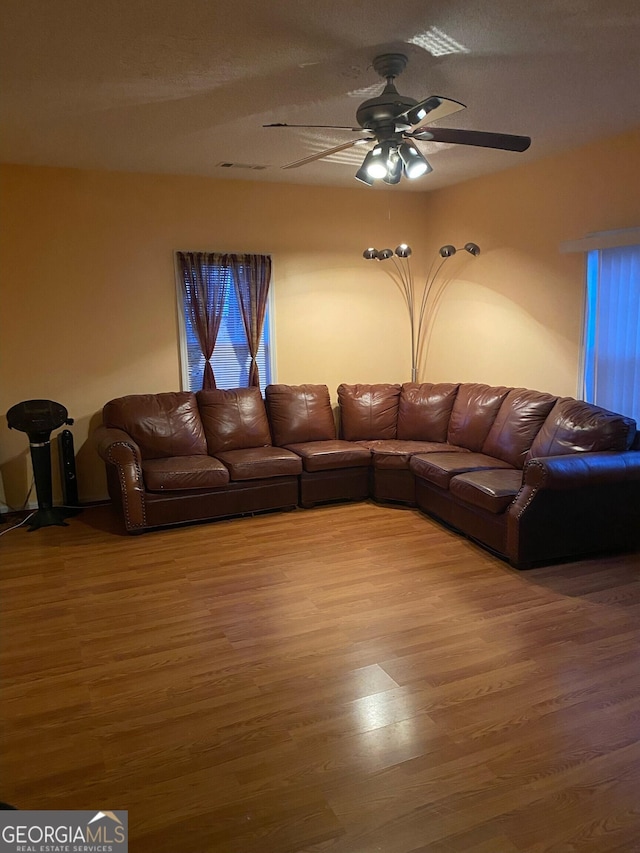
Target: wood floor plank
point(346, 679)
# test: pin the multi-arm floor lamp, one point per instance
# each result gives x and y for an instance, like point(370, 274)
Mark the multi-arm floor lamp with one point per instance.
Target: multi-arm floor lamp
point(402, 276)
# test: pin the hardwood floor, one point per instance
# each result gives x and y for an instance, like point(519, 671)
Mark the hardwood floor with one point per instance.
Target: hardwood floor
point(346, 679)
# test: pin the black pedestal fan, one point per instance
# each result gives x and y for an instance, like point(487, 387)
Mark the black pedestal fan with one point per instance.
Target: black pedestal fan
point(38, 418)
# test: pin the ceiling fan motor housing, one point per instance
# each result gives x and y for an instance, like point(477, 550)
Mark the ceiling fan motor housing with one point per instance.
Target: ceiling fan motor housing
point(379, 114)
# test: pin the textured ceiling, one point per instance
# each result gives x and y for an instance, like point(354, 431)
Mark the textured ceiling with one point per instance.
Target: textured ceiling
point(181, 87)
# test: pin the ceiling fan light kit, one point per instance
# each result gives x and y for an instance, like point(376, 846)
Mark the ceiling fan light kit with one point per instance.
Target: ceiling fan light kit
point(363, 176)
point(394, 167)
point(377, 161)
point(414, 161)
point(394, 122)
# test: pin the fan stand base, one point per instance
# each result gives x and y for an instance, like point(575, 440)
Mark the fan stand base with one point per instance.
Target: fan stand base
point(48, 516)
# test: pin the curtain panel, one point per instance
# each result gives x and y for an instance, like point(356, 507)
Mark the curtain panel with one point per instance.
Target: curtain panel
point(204, 290)
point(252, 280)
point(612, 330)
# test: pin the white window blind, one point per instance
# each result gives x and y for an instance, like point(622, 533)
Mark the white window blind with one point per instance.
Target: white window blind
point(612, 330)
point(231, 360)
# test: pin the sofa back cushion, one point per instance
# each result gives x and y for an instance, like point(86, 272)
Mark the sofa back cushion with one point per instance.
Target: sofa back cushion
point(518, 422)
point(234, 420)
point(574, 426)
point(300, 413)
point(368, 411)
point(474, 411)
point(161, 425)
point(424, 410)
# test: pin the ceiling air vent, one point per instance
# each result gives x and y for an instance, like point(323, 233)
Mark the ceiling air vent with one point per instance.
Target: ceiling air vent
point(240, 166)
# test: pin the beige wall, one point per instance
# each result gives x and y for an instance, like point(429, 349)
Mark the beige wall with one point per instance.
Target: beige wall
point(514, 315)
point(88, 308)
point(88, 289)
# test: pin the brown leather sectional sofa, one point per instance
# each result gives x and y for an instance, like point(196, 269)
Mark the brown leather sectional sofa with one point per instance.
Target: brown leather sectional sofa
point(532, 477)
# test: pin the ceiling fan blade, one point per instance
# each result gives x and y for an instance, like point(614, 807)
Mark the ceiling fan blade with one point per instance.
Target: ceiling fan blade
point(435, 107)
point(504, 141)
point(327, 152)
point(311, 126)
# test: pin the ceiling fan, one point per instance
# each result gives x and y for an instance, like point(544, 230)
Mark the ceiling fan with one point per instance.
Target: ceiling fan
point(394, 122)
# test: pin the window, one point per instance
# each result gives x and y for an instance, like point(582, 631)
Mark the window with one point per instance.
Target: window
point(612, 330)
point(231, 359)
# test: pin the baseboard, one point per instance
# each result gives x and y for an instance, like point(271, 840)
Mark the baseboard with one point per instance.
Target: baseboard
point(19, 514)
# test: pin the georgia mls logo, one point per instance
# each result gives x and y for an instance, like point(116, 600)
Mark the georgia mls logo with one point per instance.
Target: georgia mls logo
point(118, 830)
point(64, 832)
point(100, 815)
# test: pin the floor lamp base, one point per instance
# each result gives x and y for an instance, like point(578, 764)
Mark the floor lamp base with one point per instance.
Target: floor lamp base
point(48, 516)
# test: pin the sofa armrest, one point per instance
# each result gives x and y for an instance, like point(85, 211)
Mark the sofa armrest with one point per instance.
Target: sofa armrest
point(106, 438)
point(582, 469)
point(574, 504)
point(122, 455)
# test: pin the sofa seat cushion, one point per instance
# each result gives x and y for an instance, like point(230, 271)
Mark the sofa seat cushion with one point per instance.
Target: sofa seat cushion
point(492, 490)
point(328, 455)
point(254, 463)
point(395, 454)
point(439, 468)
point(183, 472)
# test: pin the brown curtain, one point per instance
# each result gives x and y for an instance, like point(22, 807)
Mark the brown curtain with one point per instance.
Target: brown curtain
point(252, 278)
point(205, 287)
